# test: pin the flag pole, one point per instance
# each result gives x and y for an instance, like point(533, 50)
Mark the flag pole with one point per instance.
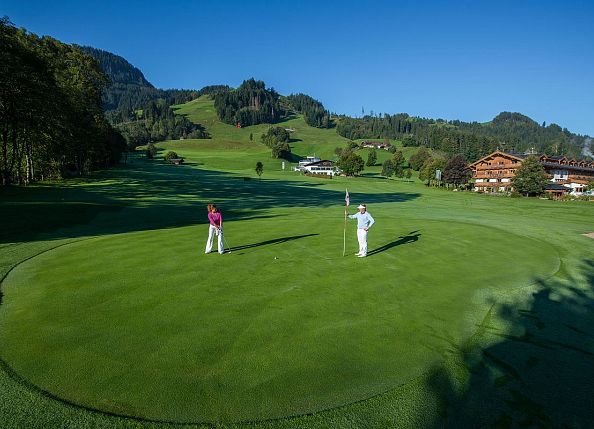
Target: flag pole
point(346, 204)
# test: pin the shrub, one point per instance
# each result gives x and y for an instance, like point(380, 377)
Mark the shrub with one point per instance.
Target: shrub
point(170, 155)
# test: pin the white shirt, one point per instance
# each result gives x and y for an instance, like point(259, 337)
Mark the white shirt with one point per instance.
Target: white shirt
point(364, 220)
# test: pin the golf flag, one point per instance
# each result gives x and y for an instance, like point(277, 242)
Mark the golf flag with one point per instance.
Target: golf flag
point(347, 198)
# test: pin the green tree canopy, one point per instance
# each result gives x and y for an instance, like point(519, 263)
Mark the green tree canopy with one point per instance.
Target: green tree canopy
point(371, 158)
point(456, 171)
point(351, 164)
point(530, 178)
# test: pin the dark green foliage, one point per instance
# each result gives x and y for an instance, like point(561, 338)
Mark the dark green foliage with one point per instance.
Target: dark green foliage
point(259, 169)
point(456, 171)
point(371, 158)
point(281, 150)
point(251, 136)
point(170, 155)
point(417, 159)
point(158, 121)
point(530, 178)
point(429, 168)
point(408, 173)
point(313, 111)
point(351, 163)
point(250, 104)
point(275, 135)
point(50, 110)
point(398, 163)
point(150, 151)
point(388, 168)
point(509, 131)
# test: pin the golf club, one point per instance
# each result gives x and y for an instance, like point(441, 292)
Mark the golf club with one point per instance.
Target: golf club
point(226, 244)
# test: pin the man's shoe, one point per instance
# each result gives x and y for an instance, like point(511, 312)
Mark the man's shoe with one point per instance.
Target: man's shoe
point(361, 256)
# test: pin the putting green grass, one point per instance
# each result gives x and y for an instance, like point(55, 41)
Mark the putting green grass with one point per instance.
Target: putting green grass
point(470, 311)
point(144, 324)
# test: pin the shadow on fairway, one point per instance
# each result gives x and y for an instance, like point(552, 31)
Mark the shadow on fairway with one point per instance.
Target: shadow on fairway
point(538, 370)
point(411, 237)
point(146, 195)
point(273, 241)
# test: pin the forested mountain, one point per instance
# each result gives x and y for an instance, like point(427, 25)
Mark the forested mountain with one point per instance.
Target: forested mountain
point(50, 109)
point(313, 111)
point(128, 89)
point(508, 131)
point(250, 104)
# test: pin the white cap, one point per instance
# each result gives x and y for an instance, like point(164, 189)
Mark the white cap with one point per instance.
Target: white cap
point(361, 206)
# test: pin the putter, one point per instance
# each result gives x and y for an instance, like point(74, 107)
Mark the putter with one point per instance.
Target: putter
point(226, 244)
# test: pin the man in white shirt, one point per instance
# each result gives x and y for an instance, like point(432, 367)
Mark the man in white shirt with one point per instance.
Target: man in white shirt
point(364, 222)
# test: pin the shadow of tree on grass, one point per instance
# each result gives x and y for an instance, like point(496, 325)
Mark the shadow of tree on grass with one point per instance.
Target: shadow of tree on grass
point(531, 365)
point(154, 195)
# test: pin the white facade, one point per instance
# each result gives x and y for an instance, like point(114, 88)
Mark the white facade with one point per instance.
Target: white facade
point(560, 175)
point(321, 169)
point(307, 160)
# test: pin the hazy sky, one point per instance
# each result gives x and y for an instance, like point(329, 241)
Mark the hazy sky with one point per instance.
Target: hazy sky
point(464, 60)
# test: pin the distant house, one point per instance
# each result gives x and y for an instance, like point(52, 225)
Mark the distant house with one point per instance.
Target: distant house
point(376, 144)
point(305, 161)
point(325, 166)
point(493, 173)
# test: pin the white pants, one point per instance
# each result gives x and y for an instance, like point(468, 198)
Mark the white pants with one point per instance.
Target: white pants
point(362, 237)
point(211, 233)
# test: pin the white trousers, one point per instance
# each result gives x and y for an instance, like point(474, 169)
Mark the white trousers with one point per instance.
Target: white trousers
point(362, 237)
point(211, 233)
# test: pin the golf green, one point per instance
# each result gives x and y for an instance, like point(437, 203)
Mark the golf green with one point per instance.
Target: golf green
point(145, 324)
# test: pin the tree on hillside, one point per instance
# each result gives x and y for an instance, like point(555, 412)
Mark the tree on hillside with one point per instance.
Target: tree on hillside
point(530, 178)
point(259, 169)
point(250, 104)
point(398, 163)
point(456, 171)
point(417, 160)
point(371, 158)
point(281, 150)
point(351, 164)
point(313, 111)
point(429, 168)
point(275, 135)
point(388, 168)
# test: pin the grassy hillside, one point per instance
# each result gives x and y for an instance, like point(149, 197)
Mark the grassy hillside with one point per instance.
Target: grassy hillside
point(306, 140)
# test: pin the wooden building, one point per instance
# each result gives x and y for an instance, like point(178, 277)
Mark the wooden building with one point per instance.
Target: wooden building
point(493, 173)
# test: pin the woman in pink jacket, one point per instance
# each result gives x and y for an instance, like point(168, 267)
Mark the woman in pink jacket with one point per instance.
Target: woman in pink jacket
point(215, 228)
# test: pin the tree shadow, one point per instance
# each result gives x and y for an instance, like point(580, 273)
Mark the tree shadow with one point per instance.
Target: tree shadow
point(411, 237)
point(530, 364)
point(151, 195)
point(272, 241)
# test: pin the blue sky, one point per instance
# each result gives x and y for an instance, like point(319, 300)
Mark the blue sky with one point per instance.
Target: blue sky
point(464, 60)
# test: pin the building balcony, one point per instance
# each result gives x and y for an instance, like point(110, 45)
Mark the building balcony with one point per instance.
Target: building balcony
point(491, 184)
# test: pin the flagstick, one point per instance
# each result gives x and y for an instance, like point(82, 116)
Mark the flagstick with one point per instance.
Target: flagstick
point(344, 233)
point(347, 200)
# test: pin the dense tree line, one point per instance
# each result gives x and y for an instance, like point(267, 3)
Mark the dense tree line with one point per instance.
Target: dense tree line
point(250, 104)
point(51, 119)
point(508, 131)
point(157, 122)
point(313, 111)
